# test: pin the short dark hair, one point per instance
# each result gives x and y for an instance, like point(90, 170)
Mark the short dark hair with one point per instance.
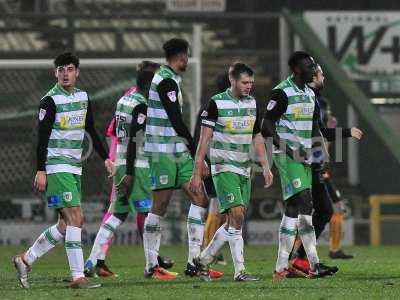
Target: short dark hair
point(222, 82)
point(174, 47)
point(239, 68)
point(143, 79)
point(66, 58)
point(296, 57)
point(148, 65)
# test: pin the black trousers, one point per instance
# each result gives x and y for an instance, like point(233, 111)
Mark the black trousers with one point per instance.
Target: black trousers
point(324, 194)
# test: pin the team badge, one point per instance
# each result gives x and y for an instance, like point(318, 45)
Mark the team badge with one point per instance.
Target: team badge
point(271, 104)
point(230, 198)
point(84, 105)
point(164, 179)
point(296, 183)
point(141, 118)
point(172, 96)
point(251, 112)
point(42, 114)
point(67, 196)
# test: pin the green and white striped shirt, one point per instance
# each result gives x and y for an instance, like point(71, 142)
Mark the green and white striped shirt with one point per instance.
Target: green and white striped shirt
point(64, 151)
point(295, 125)
point(160, 136)
point(123, 116)
point(234, 122)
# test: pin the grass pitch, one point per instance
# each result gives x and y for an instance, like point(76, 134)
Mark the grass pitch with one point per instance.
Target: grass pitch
point(373, 274)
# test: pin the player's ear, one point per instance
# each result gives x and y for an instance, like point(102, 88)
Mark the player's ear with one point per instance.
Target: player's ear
point(56, 72)
point(77, 72)
point(231, 80)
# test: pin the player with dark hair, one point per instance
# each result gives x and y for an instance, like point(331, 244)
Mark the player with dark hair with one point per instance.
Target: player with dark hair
point(170, 149)
point(289, 122)
point(64, 116)
point(326, 200)
point(130, 120)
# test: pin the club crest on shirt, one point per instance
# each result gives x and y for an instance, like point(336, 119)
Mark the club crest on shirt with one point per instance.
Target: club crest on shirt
point(42, 114)
point(251, 112)
point(271, 104)
point(172, 96)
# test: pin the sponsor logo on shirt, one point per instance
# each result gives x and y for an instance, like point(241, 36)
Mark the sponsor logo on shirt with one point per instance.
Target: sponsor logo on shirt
point(240, 124)
point(73, 121)
point(303, 111)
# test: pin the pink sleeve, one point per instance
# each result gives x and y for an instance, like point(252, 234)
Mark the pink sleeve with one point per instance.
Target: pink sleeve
point(110, 132)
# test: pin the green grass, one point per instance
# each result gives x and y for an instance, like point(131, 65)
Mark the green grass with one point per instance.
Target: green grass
point(373, 274)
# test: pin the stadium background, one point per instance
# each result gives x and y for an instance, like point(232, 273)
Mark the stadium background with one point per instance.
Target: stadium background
point(260, 33)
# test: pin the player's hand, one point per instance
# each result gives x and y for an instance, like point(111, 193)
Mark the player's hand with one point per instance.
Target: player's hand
point(196, 184)
point(356, 133)
point(40, 181)
point(205, 171)
point(125, 186)
point(268, 178)
point(110, 167)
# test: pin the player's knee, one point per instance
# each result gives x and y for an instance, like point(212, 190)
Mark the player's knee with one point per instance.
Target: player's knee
point(121, 216)
point(73, 217)
point(61, 226)
point(236, 217)
point(200, 200)
point(159, 207)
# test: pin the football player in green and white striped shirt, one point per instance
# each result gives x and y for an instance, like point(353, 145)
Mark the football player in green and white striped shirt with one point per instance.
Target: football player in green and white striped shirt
point(170, 148)
point(64, 116)
point(231, 123)
point(289, 122)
